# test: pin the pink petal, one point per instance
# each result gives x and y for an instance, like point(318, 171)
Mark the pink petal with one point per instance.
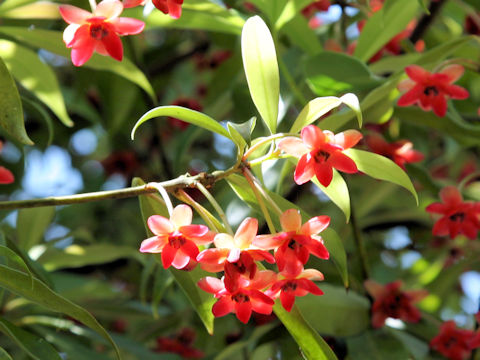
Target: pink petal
point(417, 73)
point(324, 173)
point(6, 176)
point(154, 244)
point(132, 3)
point(80, 55)
point(406, 85)
point(110, 9)
point(180, 260)
point(454, 72)
point(293, 146)
point(210, 284)
point(348, 139)
point(451, 196)
point(342, 162)
point(223, 306)
point(263, 279)
point(193, 231)
point(246, 232)
point(224, 241)
point(291, 220)
point(159, 225)
point(181, 215)
point(304, 170)
point(213, 256)
point(312, 274)
point(74, 15)
point(312, 136)
point(128, 26)
point(168, 254)
point(69, 33)
point(315, 225)
point(267, 242)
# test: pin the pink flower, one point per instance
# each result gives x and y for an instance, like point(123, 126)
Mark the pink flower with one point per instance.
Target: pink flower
point(98, 31)
point(458, 216)
point(176, 238)
point(431, 91)
point(290, 286)
point(246, 298)
point(296, 242)
point(171, 7)
point(319, 152)
point(392, 302)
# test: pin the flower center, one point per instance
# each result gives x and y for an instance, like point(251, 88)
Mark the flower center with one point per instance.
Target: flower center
point(452, 341)
point(240, 298)
point(321, 156)
point(98, 31)
point(290, 286)
point(459, 216)
point(176, 241)
point(292, 244)
point(431, 90)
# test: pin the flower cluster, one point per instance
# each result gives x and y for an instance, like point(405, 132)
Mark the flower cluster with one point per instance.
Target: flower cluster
point(243, 288)
point(391, 302)
point(455, 343)
point(456, 215)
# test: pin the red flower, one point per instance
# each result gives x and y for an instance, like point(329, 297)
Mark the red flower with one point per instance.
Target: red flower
point(458, 216)
point(454, 343)
point(319, 5)
point(176, 238)
point(171, 7)
point(181, 344)
point(187, 103)
point(132, 3)
point(319, 152)
point(296, 242)
point(98, 32)
point(244, 299)
point(291, 286)
point(392, 302)
point(6, 176)
point(431, 91)
point(400, 151)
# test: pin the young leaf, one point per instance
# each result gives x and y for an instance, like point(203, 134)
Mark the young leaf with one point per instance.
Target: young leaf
point(19, 283)
point(34, 346)
point(11, 113)
point(337, 191)
point(261, 69)
point(184, 114)
point(245, 129)
point(382, 168)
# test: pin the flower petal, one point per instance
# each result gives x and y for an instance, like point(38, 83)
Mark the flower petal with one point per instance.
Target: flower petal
point(180, 260)
point(154, 244)
point(210, 284)
point(243, 311)
point(168, 254)
point(375, 289)
point(128, 26)
point(69, 33)
point(304, 170)
point(348, 139)
point(181, 215)
point(451, 196)
point(113, 45)
point(293, 146)
point(439, 105)
point(287, 298)
point(315, 225)
point(291, 220)
point(417, 73)
point(457, 92)
point(312, 274)
point(246, 232)
point(110, 9)
point(193, 231)
point(223, 241)
point(324, 173)
point(159, 225)
point(312, 136)
point(267, 242)
point(454, 72)
point(342, 162)
point(73, 15)
point(223, 306)
point(6, 176)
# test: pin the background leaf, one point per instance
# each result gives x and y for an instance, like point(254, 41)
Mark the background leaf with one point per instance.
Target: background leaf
point(31, 225)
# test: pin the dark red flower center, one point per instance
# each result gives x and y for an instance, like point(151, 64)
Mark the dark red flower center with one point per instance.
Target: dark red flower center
point(290, 286)
point(451, 342)
point(429, 90)
point(240, 298)
point(98, 31)
point(459, 216)
point(292, 244)
point(394, 303)
point(321, 156)
point(176, 241)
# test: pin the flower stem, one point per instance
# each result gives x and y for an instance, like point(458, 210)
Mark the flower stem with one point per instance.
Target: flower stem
point(248, 175)
point(183, 196)
point(93, 4)
point(263, 142)
point(267, 197)
point(165, 196)
point(216, 206)
point(357, 236)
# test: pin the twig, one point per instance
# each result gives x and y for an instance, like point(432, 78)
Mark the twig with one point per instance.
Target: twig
point(426, 20)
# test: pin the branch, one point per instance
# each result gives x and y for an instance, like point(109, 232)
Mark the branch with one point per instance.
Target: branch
point(426, 21)
point(184, 181)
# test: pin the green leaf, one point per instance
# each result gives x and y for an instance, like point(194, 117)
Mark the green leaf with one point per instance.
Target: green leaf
point(261, 69)
point(39, 109)
point(322, 105)
point(335, 247)
point(245, 129)
point(382, 168)
point(376, 345)
point(52, 41)
point(34, 346)
point(187, 280)
point(19, 283)
point(11, 113)
point(184, 114)
point(34, 10)
point(12, 255)
point(4, 355)
point(289, 11)
point(337, 191)
point(384, 25)
point(31, 225)
point(337, 312)
point(75, 256)
point(333, 73)
point(196, 15)
point(301, 35)
point(36, 76)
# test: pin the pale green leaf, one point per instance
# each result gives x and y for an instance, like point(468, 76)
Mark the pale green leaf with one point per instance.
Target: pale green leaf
point(261, 69)
point(34, 10)
point(335, 247)
point(31, 225)
point(337, 191)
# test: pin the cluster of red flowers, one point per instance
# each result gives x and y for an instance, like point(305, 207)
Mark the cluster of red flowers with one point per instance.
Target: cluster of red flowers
point(243, 288)
point(181, 344)
point(455, 343)
point(100, 30)
point(456, 216)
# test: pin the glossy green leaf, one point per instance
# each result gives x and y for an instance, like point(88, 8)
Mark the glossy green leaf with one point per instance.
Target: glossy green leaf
point(291, 9)
point(52, 41)
point(36, 76)
point(31, 225)
point(19, 283)
point(330, 73)
point(337, 312)
point(4, 355)
point(196, 15)
point(335, 247)
point(337, 191)
point(34, 346)
point(382, 26)
point(314, 110)
point(382, 168)
point(11, 113)
point(33, 10)
point(201, 301)
point(245, 129)
point(12, 255)
point(261, 69)
point(184, 114)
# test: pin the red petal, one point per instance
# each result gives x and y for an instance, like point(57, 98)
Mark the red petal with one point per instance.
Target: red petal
point(82, 47)
point(342, 162)
point(318, 249)
point(210, 284)
point(128, 26)
point(243, 311)
point(168, 254)
point(287, 299)
point(174, 9)
point(193, 231)
point(457, 92)
point(411, 96)
point(315, 225)
point(190, 249)
point(441, 227)
point(304, 170)
point(223, 306)
point(324, 173)
point(154, 244)
point(439, 105)
point(454, 72)
point(113, 45)
point(438, 208)
point(313, 136)
point(377, 144)
point(348, 139)
point(161, 5)
point(6, 176)
point(450, 195)
point(310, 286)
point(417, 73)
point(73, 15)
